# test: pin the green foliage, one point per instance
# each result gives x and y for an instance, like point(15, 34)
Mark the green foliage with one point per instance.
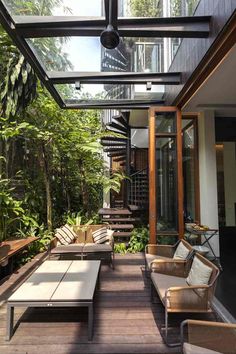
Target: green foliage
point(81, 221)
point(138, 240)
point(120, 248)
point(12, 213)
point(145, 8)
point(114, 181)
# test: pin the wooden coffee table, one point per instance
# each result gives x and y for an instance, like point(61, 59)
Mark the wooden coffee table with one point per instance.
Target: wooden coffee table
point(57, 284)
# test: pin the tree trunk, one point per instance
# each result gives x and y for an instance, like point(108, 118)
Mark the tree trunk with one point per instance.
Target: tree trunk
point(83, 186)
point(46, 176)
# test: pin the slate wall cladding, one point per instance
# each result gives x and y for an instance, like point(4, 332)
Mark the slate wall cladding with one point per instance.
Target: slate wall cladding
point(191, 51)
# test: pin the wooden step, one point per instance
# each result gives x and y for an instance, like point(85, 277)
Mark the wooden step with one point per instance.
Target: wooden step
point(121, 144)
point(122, 234)
point(117, 154)
point(114, 138)
point(120, 119)
point(120, 220)
point(113, 130)
point(113, 149)
point(114, 211)
point(117, 126)
point(119, 159)
point(121, 226)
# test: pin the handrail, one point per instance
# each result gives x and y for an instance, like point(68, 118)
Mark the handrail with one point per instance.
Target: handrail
point(138, 172)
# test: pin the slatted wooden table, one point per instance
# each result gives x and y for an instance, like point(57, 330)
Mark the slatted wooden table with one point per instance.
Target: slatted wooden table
point(10, 248)
point(57, 284)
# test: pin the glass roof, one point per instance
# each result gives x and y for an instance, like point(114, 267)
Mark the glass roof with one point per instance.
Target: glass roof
point(72, 53)
point(84, 93)
point(61, 41)
point(81, 8)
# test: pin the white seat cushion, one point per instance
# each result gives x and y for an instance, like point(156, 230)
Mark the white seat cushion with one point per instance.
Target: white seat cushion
point(199, 273)
point(194, 349)
point(181, 251)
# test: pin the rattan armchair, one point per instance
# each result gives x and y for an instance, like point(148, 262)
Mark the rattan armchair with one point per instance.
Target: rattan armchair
point(160, 253)
point(175, 293)
point(202, 336)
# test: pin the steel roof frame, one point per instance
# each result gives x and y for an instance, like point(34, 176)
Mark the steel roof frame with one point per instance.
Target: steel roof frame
point(34, 27)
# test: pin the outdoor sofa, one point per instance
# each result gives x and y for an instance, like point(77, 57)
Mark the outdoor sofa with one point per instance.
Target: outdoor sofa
point(184, 294)
point(204, 337)
point(180, 253)
point(82, 244)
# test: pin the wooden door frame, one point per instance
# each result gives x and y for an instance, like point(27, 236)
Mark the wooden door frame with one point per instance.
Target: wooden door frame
point(152, 171)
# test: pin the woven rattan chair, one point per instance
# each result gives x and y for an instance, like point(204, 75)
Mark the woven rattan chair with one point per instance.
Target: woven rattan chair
point(197, 337)
point(175, 293)
point(166, 252)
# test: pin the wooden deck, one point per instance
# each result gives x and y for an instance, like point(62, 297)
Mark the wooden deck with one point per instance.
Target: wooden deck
point(125, 320)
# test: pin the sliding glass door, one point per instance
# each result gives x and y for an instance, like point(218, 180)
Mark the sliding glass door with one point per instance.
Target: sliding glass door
point(165, 173)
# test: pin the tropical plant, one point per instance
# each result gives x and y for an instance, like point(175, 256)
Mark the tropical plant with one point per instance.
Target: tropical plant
point(120, 248)
point(12, 213)
point(138, 240)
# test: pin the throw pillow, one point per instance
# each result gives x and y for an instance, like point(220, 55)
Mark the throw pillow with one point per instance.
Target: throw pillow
point(65, 235)
point(199, 273)
point(181, 251)
point(100, 235)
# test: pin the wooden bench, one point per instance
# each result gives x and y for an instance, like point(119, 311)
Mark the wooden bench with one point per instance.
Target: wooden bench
point(10, 248)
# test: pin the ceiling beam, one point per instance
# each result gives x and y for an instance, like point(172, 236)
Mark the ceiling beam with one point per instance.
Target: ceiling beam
point(176, 27)
point(115, 78)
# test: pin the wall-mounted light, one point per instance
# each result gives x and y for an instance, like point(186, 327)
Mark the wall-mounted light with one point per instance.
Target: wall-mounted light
point(78, 85)
point(149, 86)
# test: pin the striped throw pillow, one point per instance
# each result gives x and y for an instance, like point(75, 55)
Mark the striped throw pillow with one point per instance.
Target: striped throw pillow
point(65, 235)
point(100, 235)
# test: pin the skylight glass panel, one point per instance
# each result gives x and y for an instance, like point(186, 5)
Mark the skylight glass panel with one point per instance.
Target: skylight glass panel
point(86, 54)
point(81, 8)
point(87, 93)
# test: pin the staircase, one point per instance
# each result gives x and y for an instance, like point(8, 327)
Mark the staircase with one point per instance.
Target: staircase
point(120, 220)
point(116, 147)
point(139, 190)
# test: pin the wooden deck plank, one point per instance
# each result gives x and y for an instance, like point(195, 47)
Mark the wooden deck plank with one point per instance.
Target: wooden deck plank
point(125, 322)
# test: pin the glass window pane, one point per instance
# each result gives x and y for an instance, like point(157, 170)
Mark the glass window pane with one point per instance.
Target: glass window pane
point(97, 92)
point(165, 122)
point(166, 175)
point(189, 170)
point(79, 8)
point(72, 54)
point(126, 8)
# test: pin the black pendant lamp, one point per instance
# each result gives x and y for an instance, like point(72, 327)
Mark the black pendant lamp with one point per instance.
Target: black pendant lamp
point(110, 38)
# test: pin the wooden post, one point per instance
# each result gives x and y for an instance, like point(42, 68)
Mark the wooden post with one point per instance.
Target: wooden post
point(180, 174)
point(152, 178)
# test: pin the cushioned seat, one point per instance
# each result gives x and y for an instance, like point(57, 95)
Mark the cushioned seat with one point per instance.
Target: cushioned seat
point(91, 241)
point(182, 250)
point(194, 349)
point(96, 247)
point(162, 282)
point(152, 257)
point(71, 248)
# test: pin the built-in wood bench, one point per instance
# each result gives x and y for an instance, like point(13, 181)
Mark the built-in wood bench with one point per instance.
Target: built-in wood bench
point(10, 248)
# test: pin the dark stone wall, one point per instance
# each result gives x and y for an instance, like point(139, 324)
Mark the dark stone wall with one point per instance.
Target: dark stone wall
point(191, 51)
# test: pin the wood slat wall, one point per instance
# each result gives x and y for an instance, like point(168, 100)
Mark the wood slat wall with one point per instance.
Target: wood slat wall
point(192, 51)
